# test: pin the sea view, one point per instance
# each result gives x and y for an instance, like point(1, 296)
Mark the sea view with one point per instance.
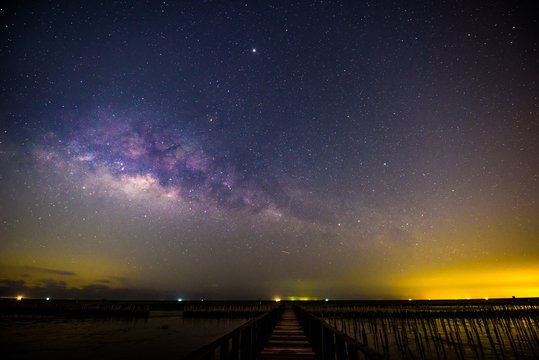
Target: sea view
point(269, 180)
point(441, 329)
point(163, 335)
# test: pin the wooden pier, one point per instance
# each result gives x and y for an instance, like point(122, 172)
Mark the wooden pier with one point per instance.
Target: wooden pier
point(285, 333)
point(243, 342)
point(288, 340)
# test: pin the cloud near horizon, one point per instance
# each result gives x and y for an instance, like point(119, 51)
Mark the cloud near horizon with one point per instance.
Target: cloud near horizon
point(58, 289)
point(48, 271)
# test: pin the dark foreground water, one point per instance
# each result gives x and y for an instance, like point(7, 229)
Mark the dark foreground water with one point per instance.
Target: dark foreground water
point(163, 335)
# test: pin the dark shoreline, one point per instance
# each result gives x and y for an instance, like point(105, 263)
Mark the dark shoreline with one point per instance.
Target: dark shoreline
point(237, 308)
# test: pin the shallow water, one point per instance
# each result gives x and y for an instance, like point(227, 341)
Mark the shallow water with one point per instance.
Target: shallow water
point(454, 338)
point(163, 335)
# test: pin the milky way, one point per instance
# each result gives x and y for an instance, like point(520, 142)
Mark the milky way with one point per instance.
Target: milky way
point(161, 150)
point(134, 156)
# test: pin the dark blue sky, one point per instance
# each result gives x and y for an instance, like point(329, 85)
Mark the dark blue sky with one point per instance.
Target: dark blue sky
point(260, 149)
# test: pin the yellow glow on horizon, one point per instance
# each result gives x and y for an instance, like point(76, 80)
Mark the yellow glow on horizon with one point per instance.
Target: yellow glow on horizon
point(277, 299)
point(19, 298)
point(473, 283)
point(299, 298)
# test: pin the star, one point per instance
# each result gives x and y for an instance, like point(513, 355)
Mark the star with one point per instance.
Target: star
point(170, 147)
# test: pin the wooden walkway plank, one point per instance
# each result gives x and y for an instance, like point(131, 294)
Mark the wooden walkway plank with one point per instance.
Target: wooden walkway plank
point(288, 340)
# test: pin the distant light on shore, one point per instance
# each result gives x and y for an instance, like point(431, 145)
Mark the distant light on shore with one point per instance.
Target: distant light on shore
point(180, 299)
point(19, 298)
point(277, 299)
point(48, 298)
point(300, 298)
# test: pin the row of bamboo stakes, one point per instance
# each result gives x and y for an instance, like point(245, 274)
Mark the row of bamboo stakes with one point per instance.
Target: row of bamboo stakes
point(495, 332)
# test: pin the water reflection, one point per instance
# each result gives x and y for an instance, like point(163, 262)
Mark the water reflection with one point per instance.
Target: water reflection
point(164, 335)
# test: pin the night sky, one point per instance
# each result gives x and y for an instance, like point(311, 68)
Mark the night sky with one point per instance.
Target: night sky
point(261, 149)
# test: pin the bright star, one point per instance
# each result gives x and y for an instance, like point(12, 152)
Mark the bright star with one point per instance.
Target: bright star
point(253, 50)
